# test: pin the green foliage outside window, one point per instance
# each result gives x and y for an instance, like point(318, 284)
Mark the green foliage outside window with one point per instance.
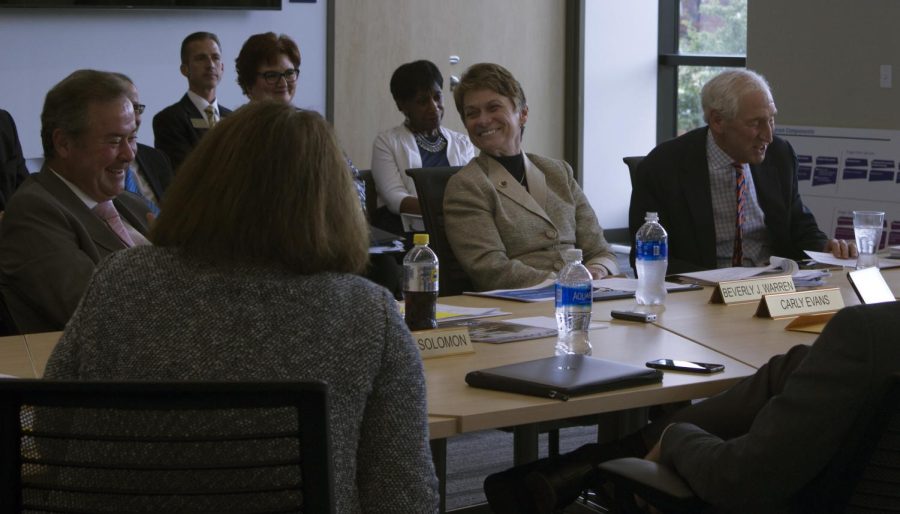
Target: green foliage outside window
point(707, 27)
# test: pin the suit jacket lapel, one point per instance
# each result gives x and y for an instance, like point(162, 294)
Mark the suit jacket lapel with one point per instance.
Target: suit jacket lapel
point(696, 191)
point(507, 186)
point(148, 174)
point(99, 231)
point(193, 114)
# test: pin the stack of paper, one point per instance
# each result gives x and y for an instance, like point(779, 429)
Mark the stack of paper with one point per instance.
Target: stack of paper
point(777, 266)
point(831, 260)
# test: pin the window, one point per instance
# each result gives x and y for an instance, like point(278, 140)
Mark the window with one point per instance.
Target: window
point(697, 39)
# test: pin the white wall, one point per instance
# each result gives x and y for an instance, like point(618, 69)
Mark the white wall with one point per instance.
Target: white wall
point(41, 46)
point(619, 100)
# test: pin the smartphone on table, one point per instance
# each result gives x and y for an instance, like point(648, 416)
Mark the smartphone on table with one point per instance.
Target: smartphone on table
point(689, 366)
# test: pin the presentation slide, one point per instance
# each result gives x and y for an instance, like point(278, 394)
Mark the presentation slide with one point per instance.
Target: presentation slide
point(844, 170)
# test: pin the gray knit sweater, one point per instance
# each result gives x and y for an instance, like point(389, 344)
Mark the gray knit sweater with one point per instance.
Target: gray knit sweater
point(150, 313)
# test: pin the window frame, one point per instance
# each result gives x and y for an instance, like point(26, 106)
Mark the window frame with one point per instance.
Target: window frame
point(668, 63)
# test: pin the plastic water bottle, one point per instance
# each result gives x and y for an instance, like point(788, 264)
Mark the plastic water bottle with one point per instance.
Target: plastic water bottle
point(652, 245)
point(574, 300)
point(420, 285)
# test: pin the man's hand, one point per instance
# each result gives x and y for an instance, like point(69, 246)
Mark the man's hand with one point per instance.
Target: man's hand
point(597, 271)
point(841, 248)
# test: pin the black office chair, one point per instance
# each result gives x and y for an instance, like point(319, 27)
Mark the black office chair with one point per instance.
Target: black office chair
point(430, 186)
point(164, 447)
point(632, 163)
point(864, 476)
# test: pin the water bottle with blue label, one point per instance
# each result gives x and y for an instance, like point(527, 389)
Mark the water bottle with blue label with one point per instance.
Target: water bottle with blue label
point(651, 261)
point(574, 299)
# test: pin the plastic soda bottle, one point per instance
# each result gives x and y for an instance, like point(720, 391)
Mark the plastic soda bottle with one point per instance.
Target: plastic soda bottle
point(574, 300)
point(420, 285)
point(652, 259)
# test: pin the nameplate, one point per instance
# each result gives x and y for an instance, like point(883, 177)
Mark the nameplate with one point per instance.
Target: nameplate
point(786, 305)
point(440, 342)
point(199, 123)
point(811, 323)
point(751, 290)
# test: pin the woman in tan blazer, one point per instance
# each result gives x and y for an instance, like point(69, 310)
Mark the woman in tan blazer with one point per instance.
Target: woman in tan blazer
point(510, 215)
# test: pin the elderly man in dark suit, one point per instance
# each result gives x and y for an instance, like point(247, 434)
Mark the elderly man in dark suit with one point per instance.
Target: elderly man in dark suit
point(75, 211)
point(179, 127)
point(12, 162)
point(727, 193)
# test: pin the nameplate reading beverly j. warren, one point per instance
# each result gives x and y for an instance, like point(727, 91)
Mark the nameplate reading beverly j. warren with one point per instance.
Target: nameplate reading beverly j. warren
point(786, 305)
point(751, 290)
point(440, 342)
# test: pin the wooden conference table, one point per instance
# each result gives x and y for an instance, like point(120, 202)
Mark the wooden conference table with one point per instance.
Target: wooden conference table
point(688, 328)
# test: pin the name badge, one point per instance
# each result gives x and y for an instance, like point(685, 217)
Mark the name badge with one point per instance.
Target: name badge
point(751, 290)
point(440, 342)
point(199, 123)
point(786, 305)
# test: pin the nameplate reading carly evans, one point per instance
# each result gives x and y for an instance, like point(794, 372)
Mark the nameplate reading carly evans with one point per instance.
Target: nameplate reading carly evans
point(751, 290)
point(440, 342)
point(786, 305)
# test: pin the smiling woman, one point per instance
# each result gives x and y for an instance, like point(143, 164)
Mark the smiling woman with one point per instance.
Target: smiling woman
point(268, 67)
point(528, 209)
point(419, 142)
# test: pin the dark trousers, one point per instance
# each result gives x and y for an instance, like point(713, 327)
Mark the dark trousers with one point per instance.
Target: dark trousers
point(730, 413)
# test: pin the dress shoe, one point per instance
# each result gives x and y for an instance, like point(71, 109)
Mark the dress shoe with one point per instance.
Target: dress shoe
point(560, 481)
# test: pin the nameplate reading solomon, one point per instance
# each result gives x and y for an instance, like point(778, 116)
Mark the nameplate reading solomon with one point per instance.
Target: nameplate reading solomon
point(440, 342)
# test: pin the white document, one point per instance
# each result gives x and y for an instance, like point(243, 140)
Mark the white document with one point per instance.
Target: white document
point(627, 284)
point(831, 260)
point(548, 322)
point(412, 222)
point(777, 265)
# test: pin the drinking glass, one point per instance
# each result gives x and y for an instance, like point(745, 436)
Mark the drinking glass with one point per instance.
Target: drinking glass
point(867, 227)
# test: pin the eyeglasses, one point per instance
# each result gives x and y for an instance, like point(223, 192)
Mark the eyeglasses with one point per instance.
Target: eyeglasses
point(289, 76)
point(139, 108)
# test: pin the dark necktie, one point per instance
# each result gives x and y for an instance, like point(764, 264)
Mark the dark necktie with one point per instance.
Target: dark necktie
point(737, 256)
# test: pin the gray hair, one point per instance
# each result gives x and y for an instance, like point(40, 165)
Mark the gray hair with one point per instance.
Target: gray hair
point(723, 92)
point(66, 104)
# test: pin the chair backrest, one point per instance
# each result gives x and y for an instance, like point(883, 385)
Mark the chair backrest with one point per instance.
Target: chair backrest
point(430, 186)
point(163, 447)
point(371, 193)
point(632, 163)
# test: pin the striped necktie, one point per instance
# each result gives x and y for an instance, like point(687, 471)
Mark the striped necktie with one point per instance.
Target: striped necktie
point(210, 116)
point(737, 255)
point(131, 184)
point(108, 213)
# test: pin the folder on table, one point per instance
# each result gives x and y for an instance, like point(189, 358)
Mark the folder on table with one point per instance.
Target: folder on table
point(563, 376)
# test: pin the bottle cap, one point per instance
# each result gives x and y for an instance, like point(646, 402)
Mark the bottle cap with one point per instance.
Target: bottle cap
point(572, 254)
point(651, 216)
point(420, 239)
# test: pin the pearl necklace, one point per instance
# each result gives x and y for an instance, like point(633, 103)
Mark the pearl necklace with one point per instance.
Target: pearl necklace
point(435, 146)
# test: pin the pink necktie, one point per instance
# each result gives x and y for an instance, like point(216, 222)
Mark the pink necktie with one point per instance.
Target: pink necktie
point(107, 212)
point(737, 256)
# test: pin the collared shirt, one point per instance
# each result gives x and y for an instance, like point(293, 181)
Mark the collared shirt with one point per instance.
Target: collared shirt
point(200, 103)
point(722, 183)
point(136, 236)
